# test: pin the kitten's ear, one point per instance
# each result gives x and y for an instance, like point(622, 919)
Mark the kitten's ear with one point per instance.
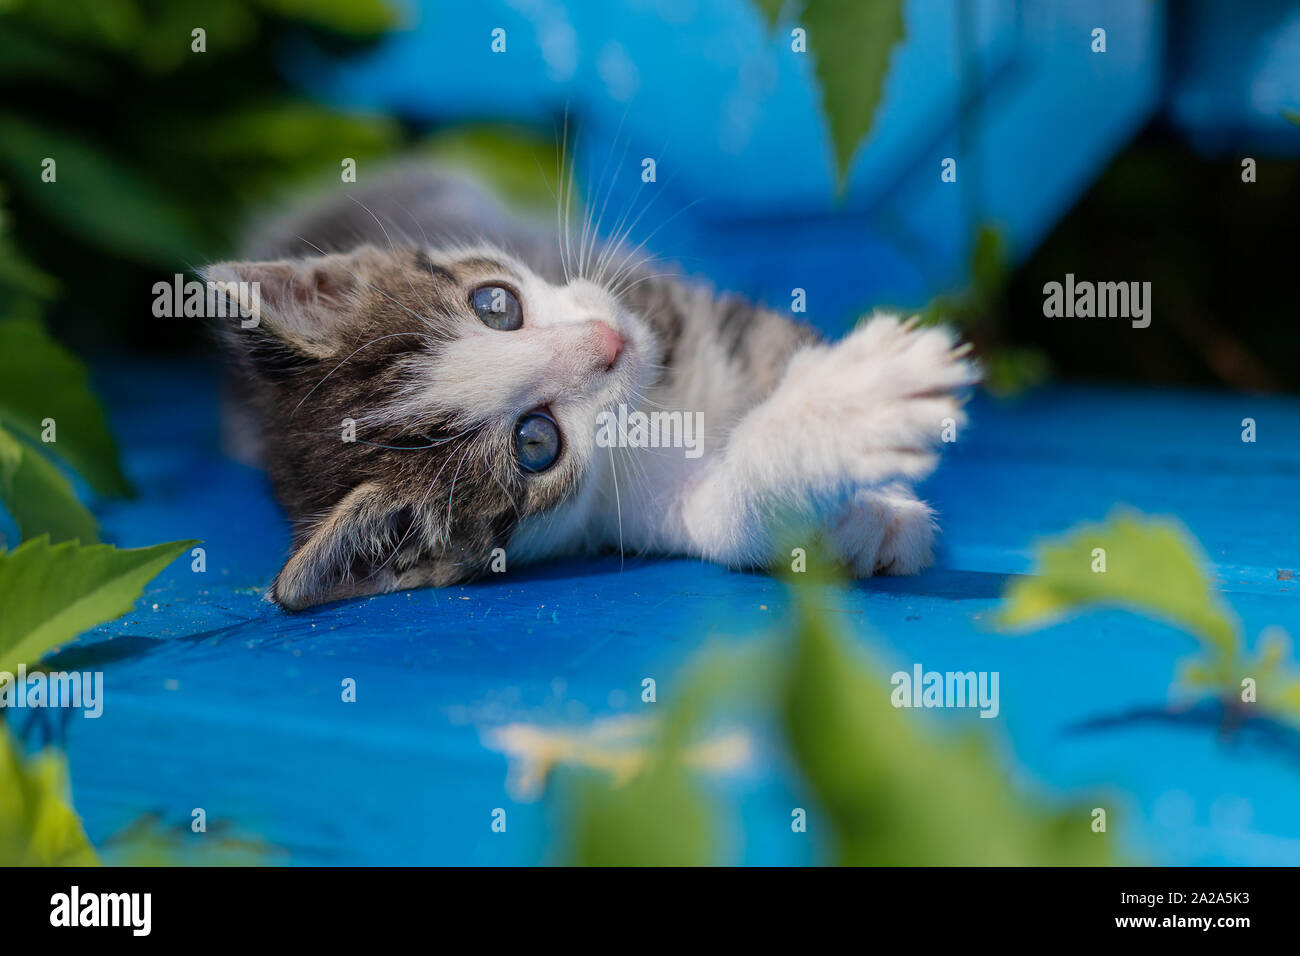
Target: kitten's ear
point(350, 552)
point(286, 309)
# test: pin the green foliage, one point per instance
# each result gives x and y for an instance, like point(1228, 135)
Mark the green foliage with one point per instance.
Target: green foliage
point(658, 818)
point(20, 279)
point(160, 149)
point(1152, 566)
point(52, 593)
point(850, 42)
point(884, 782)
point(37, 826)
point(94, 198)
point(357, 17)
point(39, 498)
point(896, 795)
point(40, 379)
point(1277, 682)
point(770, 10)
point(661, 817)
point(976, 310)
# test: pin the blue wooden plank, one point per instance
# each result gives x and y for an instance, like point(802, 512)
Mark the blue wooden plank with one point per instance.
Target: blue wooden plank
point(221, 701)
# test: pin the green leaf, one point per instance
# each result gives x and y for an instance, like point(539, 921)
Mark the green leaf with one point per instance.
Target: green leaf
point(1012, 369)
point(19, 274)
point(851, 42)
point(37, 825)
point(28, 56)
point(1153, 567)
point(354, 17)
point(39, 379)
point(1292, 115)
point(102, 24)
point(39, 498)
point(894, 794)
point(284, 132)
point(53, 593)
point(770, 10)
point(95, 197)
point(660, 817)
point(656, 819)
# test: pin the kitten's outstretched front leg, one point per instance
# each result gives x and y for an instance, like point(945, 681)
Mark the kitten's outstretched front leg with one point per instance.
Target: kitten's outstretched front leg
point(862, 414)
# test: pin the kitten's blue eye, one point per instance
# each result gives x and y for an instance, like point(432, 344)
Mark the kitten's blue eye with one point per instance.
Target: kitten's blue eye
point(537, 441)
point(497, 307)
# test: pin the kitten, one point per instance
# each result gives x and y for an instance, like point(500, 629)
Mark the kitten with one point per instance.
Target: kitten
point(471, 357)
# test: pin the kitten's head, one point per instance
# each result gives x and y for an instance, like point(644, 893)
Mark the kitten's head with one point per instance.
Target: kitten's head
point(416, 404)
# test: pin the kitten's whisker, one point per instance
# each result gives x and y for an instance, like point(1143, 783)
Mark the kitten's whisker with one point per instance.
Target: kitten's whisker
point(568, 193)
point(621, 234)
point(609, 189)
point(633, 280)
point(559, 200)
point(451, 495)
point(618, 504)
point(639, 246)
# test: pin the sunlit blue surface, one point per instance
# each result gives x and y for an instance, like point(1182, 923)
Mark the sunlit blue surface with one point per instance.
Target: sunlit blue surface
point(216, 699)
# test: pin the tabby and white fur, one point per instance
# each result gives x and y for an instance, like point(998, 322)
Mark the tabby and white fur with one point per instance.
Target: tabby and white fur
point(372, 313)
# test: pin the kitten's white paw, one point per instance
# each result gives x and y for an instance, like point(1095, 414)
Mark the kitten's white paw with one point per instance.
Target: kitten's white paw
point(871, 408)
point(885, 531)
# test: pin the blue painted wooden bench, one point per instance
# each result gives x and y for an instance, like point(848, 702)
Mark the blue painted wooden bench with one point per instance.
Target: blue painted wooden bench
point(216, 699)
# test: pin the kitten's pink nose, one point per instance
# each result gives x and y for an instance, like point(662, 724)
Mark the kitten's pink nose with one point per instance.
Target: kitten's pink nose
point(609, 343)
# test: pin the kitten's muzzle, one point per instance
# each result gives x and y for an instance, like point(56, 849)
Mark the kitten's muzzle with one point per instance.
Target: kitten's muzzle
point(609, 344)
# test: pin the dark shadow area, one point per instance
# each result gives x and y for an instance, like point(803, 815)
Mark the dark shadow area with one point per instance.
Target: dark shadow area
point(1248, 732)
point(1220, 255)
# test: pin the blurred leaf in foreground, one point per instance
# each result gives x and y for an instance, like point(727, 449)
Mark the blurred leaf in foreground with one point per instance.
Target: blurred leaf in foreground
point(39, 380)
point(52, 593)
point(40, 499)
point(1155, 567)
point(892, 792)
point(1274, 682)
point(1148, 565)
point(660, 815)
point(896, 795)
point(659, 818)
point(37, 825)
